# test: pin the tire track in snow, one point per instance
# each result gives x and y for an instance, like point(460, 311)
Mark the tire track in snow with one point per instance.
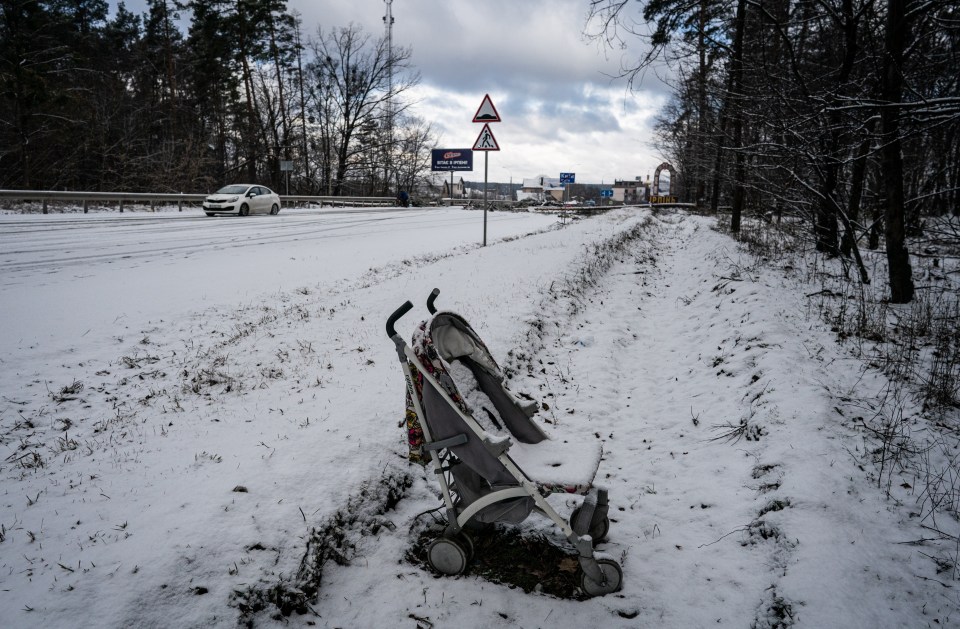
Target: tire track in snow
point(96, 243)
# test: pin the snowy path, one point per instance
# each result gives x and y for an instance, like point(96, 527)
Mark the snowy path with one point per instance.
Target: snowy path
point(644, 360)
point(775, 523)
point(772, 526)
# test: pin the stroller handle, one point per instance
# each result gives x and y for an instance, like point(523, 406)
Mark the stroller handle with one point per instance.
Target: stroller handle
point(430, 300)
point(399, 312)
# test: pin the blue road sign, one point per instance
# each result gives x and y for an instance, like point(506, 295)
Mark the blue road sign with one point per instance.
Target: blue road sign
point(568, 177)
point(606, 193)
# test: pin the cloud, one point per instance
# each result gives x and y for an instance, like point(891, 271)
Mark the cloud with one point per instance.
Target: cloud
point(561, 109)
point(599, 133)
point(552, 86)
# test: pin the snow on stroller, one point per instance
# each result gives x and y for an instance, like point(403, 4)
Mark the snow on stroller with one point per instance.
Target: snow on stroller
point(493, 462)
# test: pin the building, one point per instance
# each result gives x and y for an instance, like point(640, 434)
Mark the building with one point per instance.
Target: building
point(630, 191)
point(438, 185)
point(541, 188)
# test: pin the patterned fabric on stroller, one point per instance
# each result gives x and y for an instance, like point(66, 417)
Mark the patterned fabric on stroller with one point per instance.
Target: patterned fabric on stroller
point(494, 463)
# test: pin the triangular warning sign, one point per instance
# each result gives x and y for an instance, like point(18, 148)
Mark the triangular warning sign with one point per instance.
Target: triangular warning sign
point(487, 112)
point(486, 141)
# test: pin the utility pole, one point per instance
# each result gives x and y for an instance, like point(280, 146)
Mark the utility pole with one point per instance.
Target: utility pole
point(388, 22)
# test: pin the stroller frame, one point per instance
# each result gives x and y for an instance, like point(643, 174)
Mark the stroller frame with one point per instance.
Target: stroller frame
point(450, 553)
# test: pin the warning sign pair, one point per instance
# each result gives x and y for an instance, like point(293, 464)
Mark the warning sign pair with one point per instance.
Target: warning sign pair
point(486, 114)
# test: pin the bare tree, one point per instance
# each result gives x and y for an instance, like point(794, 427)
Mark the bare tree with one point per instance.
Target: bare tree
point(352, 76)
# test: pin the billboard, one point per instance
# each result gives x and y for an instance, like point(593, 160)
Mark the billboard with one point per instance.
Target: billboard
point(451, 160)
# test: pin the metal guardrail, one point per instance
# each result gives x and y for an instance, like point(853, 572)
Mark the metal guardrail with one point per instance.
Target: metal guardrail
point(339, 201)
point(679, 204)
point(152, 198)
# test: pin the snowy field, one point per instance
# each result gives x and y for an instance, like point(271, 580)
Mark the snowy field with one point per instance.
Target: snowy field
point(185, 402)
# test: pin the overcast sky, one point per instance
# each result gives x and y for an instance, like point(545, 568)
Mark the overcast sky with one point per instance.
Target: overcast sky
point(560, 109)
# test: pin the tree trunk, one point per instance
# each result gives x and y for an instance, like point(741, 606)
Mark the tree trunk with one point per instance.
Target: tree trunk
point(701, 145)
point(717, 165)
point(737, 70)
point(857, 176)
point(825, 221)
point(898, 259)
point(303, 107)
point(250, 124)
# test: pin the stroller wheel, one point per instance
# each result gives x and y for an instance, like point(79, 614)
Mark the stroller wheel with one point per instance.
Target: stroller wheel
point(598, 530)
point(614, 579)
point(448, 556)
point(467, 543)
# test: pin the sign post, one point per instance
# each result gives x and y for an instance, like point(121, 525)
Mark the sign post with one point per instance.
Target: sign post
point(287, 165)
point(486, 114)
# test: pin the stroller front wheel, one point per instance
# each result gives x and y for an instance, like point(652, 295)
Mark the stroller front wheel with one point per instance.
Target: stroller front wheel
point(611, 572)
point(448, 556)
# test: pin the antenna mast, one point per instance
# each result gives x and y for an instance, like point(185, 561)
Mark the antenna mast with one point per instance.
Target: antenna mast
point(388, 22)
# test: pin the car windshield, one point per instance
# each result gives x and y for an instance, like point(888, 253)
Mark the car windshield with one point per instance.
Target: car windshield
point(232, 190)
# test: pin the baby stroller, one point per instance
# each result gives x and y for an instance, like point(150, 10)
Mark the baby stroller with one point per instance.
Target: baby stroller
point(494, 463)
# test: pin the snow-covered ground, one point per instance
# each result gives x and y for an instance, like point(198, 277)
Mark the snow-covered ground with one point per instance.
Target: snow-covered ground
point(185, 402)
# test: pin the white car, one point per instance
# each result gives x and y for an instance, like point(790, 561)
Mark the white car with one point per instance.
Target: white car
point(242, 199)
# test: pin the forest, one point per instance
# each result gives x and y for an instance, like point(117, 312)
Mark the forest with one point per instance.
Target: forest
point(844, 113)
point(192, 94)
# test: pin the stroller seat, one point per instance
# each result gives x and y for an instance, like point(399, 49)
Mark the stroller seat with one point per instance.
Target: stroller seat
point(493, 460)
point(555, 465)
point(559, 466)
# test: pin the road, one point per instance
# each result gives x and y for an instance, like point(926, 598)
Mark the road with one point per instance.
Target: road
point(62, 276)
point(59, 242)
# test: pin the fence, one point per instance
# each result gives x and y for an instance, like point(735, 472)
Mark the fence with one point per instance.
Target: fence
point(151, 198)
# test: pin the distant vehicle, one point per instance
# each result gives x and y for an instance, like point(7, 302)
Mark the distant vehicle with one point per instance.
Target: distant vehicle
point(590, 203)
point(242, 199)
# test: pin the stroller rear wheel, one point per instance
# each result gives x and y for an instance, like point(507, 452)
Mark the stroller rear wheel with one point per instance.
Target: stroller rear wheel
point(467, 542)
point(448, 556)
point(598, 529)
point(614, 579)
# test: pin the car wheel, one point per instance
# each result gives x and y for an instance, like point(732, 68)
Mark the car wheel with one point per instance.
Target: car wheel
point(275, 209)
point(244, 210)
point(209, 213)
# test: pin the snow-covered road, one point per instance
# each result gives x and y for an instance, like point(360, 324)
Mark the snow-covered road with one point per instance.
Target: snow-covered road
point(67, 279)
